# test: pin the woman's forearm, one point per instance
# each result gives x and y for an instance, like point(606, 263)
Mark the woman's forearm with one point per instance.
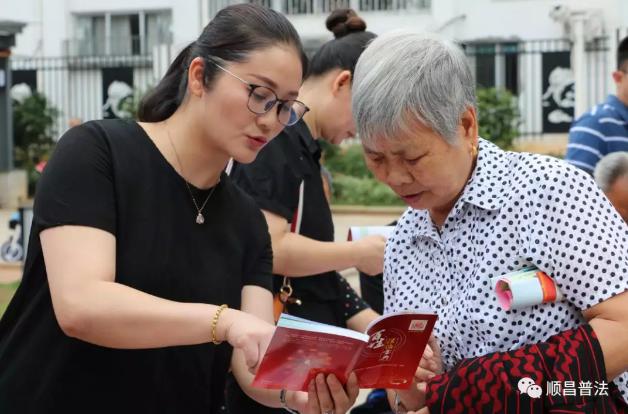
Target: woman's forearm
point(609, 320)
point(613, 338)
point(117, 316)
point(89, 304)
point(295, 255)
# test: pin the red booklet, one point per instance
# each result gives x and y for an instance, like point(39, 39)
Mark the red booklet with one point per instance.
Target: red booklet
point(387, 356)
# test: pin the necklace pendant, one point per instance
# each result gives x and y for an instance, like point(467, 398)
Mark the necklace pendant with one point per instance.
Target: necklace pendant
point(200, 219)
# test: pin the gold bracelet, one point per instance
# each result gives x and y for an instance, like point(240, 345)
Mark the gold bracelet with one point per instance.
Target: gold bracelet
point(221, 308)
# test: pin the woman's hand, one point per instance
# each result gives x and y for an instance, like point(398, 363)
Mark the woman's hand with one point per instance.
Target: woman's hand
point(326, 395)
point(247, 333)
point(370, 254)
point(431, 365)
point(431, 362)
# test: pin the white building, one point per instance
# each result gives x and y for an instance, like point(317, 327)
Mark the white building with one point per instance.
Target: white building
point(55, 25)
point(94, 43)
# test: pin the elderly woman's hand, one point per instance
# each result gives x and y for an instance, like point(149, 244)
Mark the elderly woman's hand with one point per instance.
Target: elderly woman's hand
point(431, 365)
point(326, 395)
point(431, 362)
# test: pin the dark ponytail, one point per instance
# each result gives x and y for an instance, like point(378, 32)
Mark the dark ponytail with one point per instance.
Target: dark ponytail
point(165, 98)
point(232, 35)
point(343, 52)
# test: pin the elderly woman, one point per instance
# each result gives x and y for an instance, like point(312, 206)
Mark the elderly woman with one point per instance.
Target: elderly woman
point(611, 174)
point(477, 212)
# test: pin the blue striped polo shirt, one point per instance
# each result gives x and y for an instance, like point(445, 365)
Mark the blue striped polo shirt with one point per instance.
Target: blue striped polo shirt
point(599, 132)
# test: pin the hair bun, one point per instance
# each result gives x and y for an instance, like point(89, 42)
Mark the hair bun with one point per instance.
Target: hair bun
point(341, 22)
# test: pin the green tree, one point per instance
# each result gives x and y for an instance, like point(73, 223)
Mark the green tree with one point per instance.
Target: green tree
point(498, 116)
point(33, 131)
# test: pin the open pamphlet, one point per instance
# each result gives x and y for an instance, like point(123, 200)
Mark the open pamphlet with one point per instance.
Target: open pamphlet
point(387, 356)
point(356, 233)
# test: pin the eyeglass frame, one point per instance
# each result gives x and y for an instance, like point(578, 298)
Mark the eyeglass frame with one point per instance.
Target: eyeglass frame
point(253, 86)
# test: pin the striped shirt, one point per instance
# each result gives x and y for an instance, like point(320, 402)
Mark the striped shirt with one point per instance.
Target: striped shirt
point(599, 132)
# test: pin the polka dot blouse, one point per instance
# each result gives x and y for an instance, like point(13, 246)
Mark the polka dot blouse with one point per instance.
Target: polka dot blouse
point(516, 210)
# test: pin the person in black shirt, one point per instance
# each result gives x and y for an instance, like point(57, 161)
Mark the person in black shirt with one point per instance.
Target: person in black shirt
point(286, 182)
point(142, 250)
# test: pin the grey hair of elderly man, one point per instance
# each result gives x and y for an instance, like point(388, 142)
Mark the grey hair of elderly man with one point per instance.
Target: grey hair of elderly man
point(404, 77)
point(610, 168)
point(611, 175)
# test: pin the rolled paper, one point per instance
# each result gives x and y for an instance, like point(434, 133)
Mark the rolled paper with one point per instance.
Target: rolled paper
point(526, 287)
point(356, 232)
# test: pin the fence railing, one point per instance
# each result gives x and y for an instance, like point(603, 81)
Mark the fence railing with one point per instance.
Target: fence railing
point(300, 7)
point(540, 74)
point(86, 88)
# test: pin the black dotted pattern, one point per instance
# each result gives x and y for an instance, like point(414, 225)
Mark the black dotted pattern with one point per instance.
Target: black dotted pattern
point(517, 210)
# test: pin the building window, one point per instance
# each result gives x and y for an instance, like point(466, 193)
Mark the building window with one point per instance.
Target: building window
point(376, 5)
point(485, 65)
point(264, 3)
point(511, 67)
point(326, 6)
point(314, 6)
point(120, 34)
point(496, 65)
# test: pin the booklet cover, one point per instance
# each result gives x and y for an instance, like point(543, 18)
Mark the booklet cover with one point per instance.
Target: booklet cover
point(387, 356)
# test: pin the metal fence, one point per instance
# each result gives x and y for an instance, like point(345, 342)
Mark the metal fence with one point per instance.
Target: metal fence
point(540, 74)
point(298, 7)
point(91, 87)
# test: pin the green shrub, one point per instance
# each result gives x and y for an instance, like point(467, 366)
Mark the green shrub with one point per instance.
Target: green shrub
point(498, 116)
point(33, 131)
point(130, 105)
point(6, 293)
point(347, 160)
point(363, 191)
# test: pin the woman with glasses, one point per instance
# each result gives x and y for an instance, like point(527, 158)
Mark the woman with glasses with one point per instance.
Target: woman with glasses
point(285, 180)
point(144, 256)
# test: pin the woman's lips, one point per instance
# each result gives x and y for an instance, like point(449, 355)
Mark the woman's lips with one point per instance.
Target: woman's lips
point(411, 198)
point(257, 142)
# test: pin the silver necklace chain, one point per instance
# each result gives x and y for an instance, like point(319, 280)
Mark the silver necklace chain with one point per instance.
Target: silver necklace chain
point(200, 219)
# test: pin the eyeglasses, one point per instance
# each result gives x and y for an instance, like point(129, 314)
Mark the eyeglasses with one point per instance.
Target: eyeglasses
point(263, 99)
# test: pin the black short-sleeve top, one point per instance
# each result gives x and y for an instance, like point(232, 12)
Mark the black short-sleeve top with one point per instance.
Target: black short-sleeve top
point(109, 175)
point(274, 180)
